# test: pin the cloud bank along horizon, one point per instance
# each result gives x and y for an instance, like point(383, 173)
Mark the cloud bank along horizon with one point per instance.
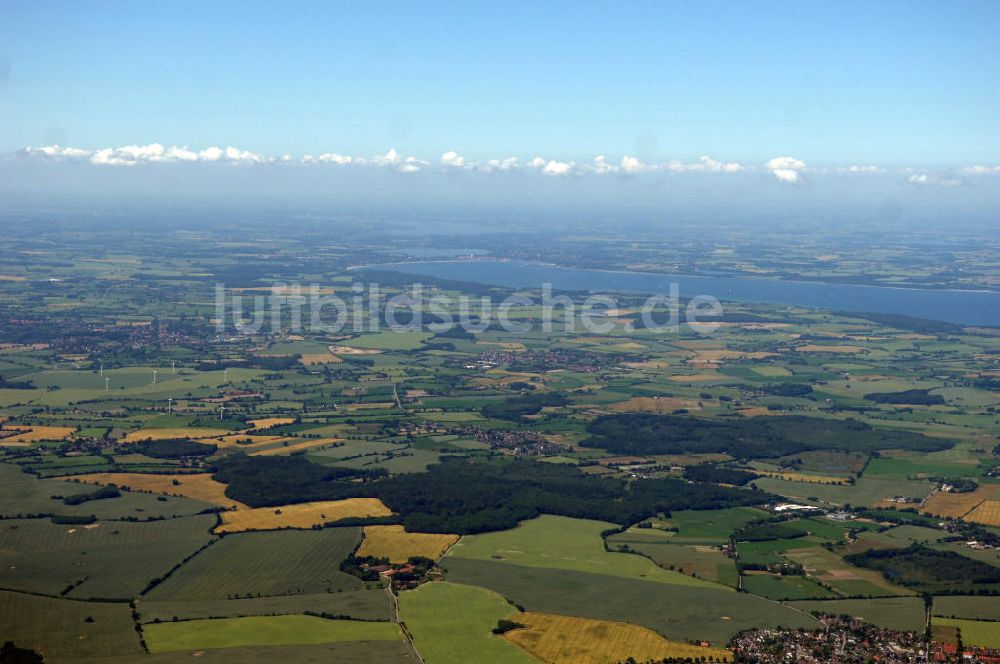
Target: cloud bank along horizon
point(783, 169)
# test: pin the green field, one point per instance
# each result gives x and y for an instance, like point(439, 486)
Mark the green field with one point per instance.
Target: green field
point(452, 622)
point(867, 490)
point(703, 561)
point(985, 633)
point(678, 612)
point(390, 340)
point(355, 652)
point(59, 628)
point(902, 613)
point(571, 544)
point(698, 526)
point(969, 607)
point(356, 604)
point(918, 467)
point(263, 631)
point(23, 494)
point(109, 559)
point(843, 577)
point(773, 586)
point(265, 563)
point(763, 392)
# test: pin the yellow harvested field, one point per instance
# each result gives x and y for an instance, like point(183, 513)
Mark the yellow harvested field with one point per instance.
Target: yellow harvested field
point(957, 505)
point(268, 422)
point(654, 405)
point(755, 326)
point(296, 447)
point(627, 346)
point(302, 515)
point(707, 357)
point(199, 486)
point(17, 348)
point(986, 513)
point(32, 434)
point(375, 405)
point(314, 359)
point(239, 440)
point(506, 345)
point(569, 640)
point(890, 504)
point(648, 364)
point(394, 543)
point(168, 434)
point(755, 411)
point(816, 348)
point(803, 477)
point(351, 350)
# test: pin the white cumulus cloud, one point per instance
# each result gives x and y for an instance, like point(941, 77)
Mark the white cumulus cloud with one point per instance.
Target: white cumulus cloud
point(452, 159)
point(328, 158)
point(551, 166)
point(499, 165)
point(787, 169)
point(54, 152)
point(932, 180)
point(716, 166)
point(859, 169)
point(981, 170)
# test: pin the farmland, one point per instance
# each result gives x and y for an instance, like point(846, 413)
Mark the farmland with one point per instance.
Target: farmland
point(901, 613)
point(678, 612)
point(263, 631)
point(114, 560)
point(559, 639)
point(199, 486)
point(394, 543)
point(28, 621)
point(301, 515)
point(261, 564)
point(984, 633)
point(356, 604)
point(452, 623)
point(560, 543)
point(282, 490)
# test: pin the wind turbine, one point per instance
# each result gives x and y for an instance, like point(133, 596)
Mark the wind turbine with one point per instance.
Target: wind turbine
point(225, 378)
point(170, 404)
point(154, 376)
point(102, 368)
point(107, 380)
point(222, 412)
point(173, 366)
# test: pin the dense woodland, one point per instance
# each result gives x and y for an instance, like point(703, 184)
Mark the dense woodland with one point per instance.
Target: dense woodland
point(517, 408)
point(464, 497)
point(907, 397)
point(746, 438)
point(174, 448)
point(929, 570)
point(714, 473)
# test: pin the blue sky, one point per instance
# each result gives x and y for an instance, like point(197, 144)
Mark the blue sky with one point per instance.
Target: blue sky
point(888, 83)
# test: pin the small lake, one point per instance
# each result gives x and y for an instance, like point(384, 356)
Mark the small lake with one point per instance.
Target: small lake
point(953, 306)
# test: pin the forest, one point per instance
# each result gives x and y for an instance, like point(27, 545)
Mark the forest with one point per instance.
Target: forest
point(462, 496)
point(746, 438)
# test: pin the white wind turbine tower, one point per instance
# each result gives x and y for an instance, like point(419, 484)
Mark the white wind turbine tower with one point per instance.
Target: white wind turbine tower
point(107, 380)
point(222, 412)
point(170, 404)
point(225, 378)
point(154, 376)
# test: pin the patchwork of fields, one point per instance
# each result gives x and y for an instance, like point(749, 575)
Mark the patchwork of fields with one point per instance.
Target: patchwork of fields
point(503, 496)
